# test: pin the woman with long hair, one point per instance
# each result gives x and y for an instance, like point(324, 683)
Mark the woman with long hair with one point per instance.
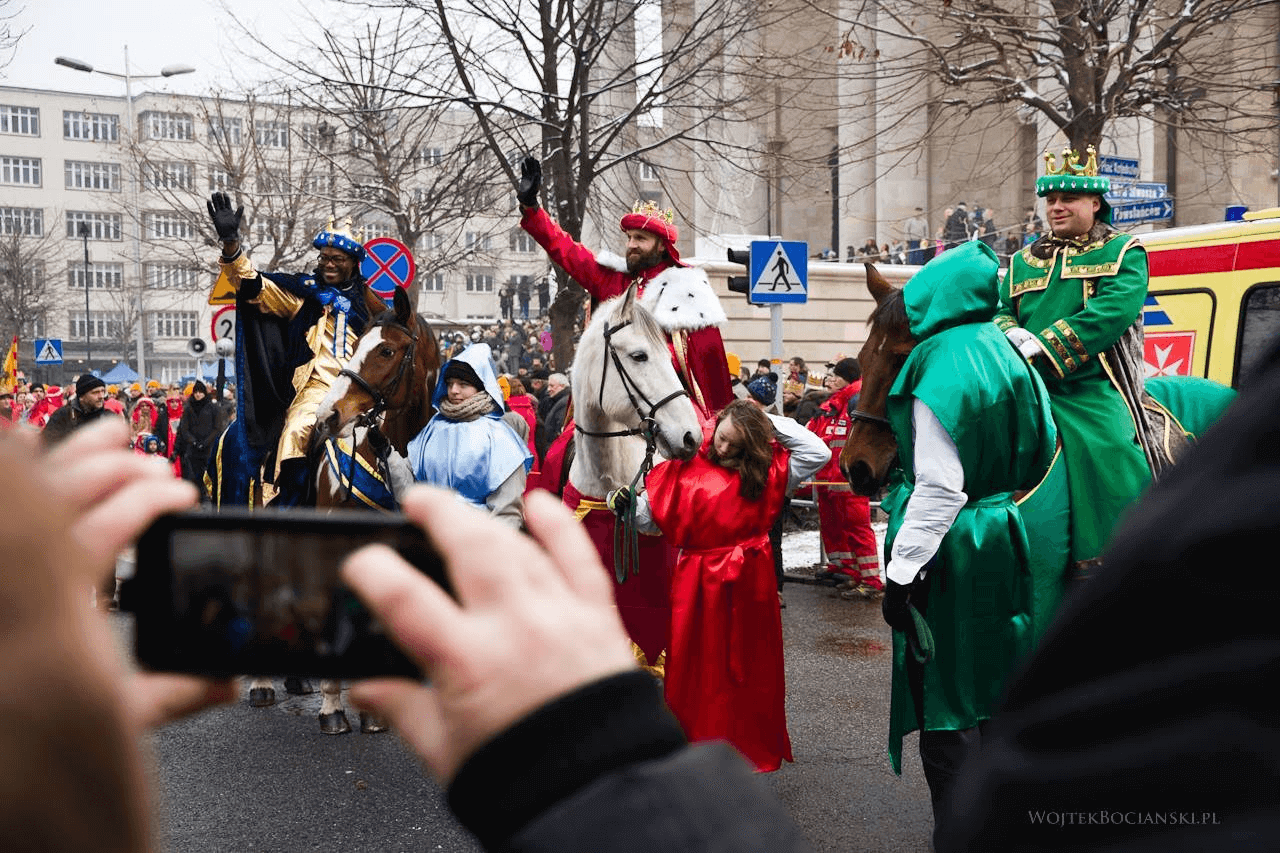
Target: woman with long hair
point(724, 673)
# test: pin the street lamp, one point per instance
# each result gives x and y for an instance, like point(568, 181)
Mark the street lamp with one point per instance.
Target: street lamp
point(88, 333)
point(128, 78)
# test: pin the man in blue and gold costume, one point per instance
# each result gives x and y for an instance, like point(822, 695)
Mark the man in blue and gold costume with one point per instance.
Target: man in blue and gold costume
point(294, 333)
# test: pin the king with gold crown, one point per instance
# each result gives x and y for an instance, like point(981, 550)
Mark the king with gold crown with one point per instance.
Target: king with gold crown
point(1071, 303)
point(295, 333)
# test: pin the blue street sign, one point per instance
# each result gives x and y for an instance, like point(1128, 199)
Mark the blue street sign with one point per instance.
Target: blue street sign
point(1139, 190)
point(779, 271)
point(1137, 212)
point(48, 351)
point(1121, 168)
point(388, 264)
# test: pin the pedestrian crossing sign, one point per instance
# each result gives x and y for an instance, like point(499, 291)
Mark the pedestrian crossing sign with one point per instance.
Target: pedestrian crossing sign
point(779, 271)
point(48, 351)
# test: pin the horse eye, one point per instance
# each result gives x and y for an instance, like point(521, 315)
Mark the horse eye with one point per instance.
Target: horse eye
point(640, 356)
point(386, 352)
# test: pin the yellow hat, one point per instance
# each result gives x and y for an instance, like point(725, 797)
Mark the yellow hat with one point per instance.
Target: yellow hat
point(790, 387)
point(505, 385)
point(135, 387)
point(735, 363)
point(151, 383)
point(189, 388)
point(113, 389)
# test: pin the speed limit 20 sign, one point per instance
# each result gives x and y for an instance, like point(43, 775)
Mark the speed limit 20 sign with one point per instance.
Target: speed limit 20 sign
point(224, 323)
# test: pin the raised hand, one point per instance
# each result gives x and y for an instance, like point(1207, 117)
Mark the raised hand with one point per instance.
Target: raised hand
point(530, 182)
point(225, 220)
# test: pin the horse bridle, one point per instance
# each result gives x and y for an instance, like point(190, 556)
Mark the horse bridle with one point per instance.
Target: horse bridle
point(648, 420)
point(868, 418)
point(370, 416)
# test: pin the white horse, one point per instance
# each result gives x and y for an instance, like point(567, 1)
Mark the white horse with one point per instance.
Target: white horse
point(629, 406)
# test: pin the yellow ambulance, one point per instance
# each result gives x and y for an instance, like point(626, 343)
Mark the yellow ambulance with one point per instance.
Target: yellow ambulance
point(1213, 304)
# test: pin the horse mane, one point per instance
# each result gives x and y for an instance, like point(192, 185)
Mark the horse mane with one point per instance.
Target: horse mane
point(642, 318)
point(891, 313)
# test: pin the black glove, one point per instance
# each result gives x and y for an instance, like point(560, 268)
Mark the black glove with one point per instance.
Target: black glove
point(530, 181)
point(895, 606)
point(619, 500)
point(225, 221)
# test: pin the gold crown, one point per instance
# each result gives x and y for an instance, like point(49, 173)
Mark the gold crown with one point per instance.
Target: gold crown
point(1071, 163)
point(345, 230)
point(650, 210)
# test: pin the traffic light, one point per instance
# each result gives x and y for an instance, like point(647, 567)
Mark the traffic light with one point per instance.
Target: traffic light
point(740, 283)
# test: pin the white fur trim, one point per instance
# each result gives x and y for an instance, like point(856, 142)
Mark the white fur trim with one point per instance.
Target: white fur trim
point(611, 261)
point(682, 298)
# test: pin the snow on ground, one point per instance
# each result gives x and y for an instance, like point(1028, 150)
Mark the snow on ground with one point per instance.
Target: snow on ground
point(801, 549)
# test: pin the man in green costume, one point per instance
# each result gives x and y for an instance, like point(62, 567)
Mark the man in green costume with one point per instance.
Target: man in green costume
point(973, 426)
point(1072, 304)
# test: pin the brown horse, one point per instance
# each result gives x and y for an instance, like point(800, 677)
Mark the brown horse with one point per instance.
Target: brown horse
point(385, 391)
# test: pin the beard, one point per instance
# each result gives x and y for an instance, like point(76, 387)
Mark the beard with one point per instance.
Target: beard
point(638, 261)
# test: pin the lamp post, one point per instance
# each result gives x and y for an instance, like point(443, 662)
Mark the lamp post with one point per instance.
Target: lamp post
point(128, 78)
point(88, 327)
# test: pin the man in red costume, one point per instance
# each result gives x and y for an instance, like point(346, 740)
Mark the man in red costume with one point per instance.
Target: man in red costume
point(724, 675)
point(678, 295)
point(845, 518)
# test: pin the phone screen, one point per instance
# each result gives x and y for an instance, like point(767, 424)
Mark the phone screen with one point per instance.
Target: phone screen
point(264, 596)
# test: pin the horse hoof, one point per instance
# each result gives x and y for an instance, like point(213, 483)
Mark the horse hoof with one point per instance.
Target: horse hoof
point(295, 686)
point(369, 724)
point(262, 697)
point(334, 724)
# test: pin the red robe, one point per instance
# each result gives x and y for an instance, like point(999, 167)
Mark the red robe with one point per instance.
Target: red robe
point(844, 518)
point(725, 677)
point(698, 354)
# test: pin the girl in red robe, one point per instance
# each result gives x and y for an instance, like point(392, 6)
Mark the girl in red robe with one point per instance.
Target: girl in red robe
point(724, 676)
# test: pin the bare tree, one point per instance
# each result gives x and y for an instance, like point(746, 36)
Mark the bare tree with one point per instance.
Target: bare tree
point(592, 88)
point(10, 35)
point(28, 294)
point(1081, 65)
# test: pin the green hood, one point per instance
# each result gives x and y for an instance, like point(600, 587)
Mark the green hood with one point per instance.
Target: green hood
point(957, 287)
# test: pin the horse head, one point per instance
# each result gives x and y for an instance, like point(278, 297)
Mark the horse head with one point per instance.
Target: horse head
point(623, 380)
point(870, 449)
point(393, 370)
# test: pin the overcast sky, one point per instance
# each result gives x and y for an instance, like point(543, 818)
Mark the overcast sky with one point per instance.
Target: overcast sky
point(158, 33)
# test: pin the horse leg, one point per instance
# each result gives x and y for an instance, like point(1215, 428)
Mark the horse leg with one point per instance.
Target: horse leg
point(295, 686)
point(261, 693)
point(333, 719)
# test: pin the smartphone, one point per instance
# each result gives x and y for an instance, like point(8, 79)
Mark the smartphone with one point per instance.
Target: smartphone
point(260, 593)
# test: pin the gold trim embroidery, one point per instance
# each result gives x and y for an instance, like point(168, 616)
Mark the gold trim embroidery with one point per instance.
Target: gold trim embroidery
point(1017, 288)
point(680, 341)
point(1065, 328)
point(1060, 348)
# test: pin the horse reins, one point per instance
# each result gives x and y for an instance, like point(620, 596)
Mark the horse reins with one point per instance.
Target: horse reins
point(626, 537)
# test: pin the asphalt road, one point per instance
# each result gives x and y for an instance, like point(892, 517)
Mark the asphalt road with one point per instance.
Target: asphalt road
point(265, 779)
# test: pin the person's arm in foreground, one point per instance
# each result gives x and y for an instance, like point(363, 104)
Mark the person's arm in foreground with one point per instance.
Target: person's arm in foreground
point(535, 716)
point(69, 714)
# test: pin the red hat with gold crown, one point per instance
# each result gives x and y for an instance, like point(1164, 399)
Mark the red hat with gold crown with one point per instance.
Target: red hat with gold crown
point(648, 217)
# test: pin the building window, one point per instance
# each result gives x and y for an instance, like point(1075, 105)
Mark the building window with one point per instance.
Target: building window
point(371, 230)
point(102, 226)
point(320, 135)
point(172, 324)
point(433, 282)
point(92, 127)
point(99, 276)
point(263, 232)
point(228, 130)
point(33, 327)
point(220, 180)
point(479, 282)
point(271, 134)
point(648, 171)
point(429, 156)
point(324, 184)
point(168, 224)
point(24, 221)
point(172, 276)
point(102, 325)
point(429, 241)
point(479, 242)
point(270, 183)
point(173, 126)
point(522, 242)
point(19, 121)
point(81, 175)
point(20, 171)
point(169, 175)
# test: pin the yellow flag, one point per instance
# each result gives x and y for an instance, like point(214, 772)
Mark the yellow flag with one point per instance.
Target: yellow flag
point(9, 373)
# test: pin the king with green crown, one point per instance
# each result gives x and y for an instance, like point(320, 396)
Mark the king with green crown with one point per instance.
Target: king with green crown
point(1071, 303)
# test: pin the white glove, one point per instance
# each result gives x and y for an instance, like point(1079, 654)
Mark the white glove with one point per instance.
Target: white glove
point(1023, 341)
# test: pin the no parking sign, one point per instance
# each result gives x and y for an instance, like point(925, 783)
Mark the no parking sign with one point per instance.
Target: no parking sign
point(387, 265)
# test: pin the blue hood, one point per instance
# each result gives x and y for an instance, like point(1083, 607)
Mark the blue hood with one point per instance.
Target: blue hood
point(480, 359)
